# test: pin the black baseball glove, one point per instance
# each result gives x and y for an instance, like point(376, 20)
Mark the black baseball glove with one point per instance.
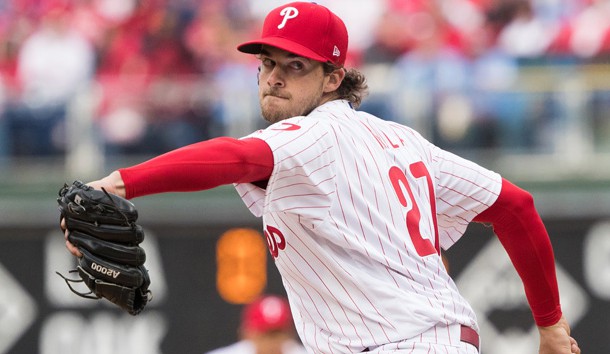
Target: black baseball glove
point(103, 227)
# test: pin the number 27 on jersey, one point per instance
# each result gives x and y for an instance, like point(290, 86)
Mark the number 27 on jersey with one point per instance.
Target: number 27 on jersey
point(423, 246)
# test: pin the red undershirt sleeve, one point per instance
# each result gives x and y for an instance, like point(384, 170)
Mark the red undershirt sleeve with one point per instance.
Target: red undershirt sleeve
point(200, 166)
point(520, 230)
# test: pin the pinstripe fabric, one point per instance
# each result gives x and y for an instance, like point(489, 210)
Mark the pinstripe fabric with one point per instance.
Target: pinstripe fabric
point(439, 339)
point(352, 273)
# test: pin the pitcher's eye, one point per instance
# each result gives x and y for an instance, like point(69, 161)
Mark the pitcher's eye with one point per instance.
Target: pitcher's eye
point(266, 62)
point(297, 65)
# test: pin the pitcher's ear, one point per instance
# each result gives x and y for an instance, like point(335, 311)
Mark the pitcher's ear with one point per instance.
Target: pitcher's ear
point(334, 80)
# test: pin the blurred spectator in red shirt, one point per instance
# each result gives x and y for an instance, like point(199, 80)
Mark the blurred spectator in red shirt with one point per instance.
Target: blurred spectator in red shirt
point(149, 81)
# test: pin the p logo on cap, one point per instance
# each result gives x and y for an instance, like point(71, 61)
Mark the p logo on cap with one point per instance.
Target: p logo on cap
point(288, 13)
point(305, 29)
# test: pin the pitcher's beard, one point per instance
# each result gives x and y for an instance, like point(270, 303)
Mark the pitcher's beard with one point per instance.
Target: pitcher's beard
point(274, 113)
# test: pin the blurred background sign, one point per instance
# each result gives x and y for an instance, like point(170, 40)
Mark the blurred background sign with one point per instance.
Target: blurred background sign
point(189, 315)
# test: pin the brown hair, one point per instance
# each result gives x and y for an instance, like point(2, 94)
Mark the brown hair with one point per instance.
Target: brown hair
point(353, 87)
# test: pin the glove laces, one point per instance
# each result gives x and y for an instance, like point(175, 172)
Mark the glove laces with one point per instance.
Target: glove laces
point(89, 295)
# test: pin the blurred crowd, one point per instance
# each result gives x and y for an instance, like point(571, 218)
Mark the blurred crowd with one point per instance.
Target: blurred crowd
point(159, 74)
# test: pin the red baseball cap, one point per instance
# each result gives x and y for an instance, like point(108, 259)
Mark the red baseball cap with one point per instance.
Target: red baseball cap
point(267, 313)
point(305, 29)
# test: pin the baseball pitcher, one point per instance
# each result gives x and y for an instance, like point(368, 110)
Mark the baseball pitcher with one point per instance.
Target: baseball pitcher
point(355, 209)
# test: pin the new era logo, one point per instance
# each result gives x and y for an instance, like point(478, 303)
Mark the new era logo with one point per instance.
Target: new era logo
point(336, 52)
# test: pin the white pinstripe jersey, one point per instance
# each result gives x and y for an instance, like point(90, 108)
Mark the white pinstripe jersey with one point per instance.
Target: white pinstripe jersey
point(352, 214)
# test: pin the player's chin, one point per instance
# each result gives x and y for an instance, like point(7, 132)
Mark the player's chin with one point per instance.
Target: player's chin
point(274, 113)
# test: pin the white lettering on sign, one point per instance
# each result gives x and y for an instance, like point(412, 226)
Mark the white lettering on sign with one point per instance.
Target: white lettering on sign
point(490, 283)
point(69, 332)
point(17, 310)
point(596, 259)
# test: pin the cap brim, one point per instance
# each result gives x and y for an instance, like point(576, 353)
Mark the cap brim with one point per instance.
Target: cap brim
point(254, 47)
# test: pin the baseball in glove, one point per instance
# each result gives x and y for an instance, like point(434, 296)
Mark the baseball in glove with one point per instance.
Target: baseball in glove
point(103, 227)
